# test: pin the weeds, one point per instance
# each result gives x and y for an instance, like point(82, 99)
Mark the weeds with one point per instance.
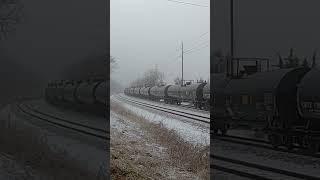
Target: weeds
point(184, 155)
point(29, 148)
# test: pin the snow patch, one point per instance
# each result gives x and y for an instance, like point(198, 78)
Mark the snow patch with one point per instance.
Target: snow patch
point(189, 132)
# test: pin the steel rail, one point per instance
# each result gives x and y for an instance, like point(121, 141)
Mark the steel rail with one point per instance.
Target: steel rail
point(64, 126)
point(234, 139)
point(167, 108)
point(159, 109)
point(262, 167)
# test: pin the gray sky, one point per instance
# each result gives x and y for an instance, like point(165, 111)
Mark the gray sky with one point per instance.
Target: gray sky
point(264, 27)
point(57, 33)
point(145, 33)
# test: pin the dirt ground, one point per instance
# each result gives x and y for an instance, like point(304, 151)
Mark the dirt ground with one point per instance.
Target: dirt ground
point(136, 154)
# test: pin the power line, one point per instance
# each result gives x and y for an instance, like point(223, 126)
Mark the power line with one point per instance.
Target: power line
point(189, 52)
point(202, 35)
point(197, 46)
point(187, 3)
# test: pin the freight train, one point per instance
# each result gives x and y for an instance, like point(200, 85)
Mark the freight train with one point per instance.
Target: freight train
point(88, 95)
point(196, 93)
point(283, 103)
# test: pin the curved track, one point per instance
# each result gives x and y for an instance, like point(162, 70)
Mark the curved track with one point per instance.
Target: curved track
point(64, 123)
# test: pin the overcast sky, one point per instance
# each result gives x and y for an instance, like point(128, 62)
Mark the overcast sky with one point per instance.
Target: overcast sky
point(264, 27)
point(146, 33)
point(56, 33)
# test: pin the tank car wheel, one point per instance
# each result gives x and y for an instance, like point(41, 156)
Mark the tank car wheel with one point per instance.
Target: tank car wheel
point(223, 131)
point(275, 140)
point(289, 142)
point(313, 148)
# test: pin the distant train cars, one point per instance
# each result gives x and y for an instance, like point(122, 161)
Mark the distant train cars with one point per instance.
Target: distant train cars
point(197, 93)
point(83, 94)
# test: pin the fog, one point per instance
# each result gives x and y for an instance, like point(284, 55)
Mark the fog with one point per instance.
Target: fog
point(54, 34)
point(263, 28)
point(50, 37)
point(145, 34)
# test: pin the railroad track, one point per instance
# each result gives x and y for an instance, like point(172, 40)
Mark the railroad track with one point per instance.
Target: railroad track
point(238, 167)
point(64, 123)
point(166, 108)
point(190, 106)
point(195, 117)
point(174, 112)
point(234, 139)
point(263, 144)
point(254, 170)
point(227, 138)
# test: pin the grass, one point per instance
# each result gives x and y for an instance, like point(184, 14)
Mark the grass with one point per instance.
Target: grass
point(29, 148)
point(184, 155)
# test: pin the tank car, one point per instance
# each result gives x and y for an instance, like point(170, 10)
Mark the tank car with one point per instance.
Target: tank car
point(49, 92)
point(100, 93)
point(259, 99)
point(193, 93)
point(281, 103)
point(159, 93)
point(125, 91)
point(59, 90)
point(206, 97)
point(174, 96)
point(145, 92)
point(308, 106)
point(136, 92)
point(68, 91)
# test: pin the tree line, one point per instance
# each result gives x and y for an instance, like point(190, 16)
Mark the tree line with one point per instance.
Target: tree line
point(151, 77)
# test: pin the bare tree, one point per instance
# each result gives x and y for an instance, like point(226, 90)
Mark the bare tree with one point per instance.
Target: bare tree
point(113, 63)
point(177, 81)
point(305, 63)
point(151, 77)
point(10, 16)
point(201, 80)
point(91, 66)
point(314, 58)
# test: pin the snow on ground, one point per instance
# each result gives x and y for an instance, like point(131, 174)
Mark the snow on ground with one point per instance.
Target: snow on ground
point(77, 145)
point(188, 130)
point(134, 155)
point(10, 169)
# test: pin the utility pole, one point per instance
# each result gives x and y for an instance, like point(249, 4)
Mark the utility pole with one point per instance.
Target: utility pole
point(231, 35)
point(182, 62)
point(232, 27)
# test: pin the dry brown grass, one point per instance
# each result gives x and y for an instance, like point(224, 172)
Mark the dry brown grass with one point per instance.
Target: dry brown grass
point(184, 155)
point(29, 148)
point(122, 169)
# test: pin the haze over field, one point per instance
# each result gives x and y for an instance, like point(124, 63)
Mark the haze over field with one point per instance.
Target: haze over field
point(145, 34)
point(50, 37)
point(263, 28)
